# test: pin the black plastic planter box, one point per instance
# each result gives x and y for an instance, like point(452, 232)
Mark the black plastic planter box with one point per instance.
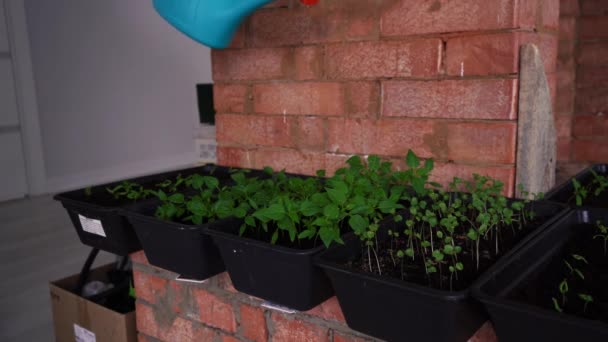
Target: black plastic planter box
point(565, 192)
point(396, 310)
point(177, 247)
point(519, 321)
point(284, 276)
point(98, 219)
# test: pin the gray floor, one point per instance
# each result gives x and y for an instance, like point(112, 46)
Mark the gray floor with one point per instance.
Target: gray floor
point(37, 244)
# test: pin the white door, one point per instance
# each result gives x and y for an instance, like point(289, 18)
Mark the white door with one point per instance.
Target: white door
point(13, 182)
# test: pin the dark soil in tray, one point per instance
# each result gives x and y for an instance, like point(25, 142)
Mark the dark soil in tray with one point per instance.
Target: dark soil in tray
point(414, 270)
point(543, 286)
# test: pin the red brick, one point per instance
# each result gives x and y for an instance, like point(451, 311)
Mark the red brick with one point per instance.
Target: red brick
point(214, 311)
point(285, 27)
point(563, 125)
point(255, 130)
point(144, 338)
point(234, 156)
point(335, 161)
point(288, 330)
point(148, 287)
point(238, 41)
point(569, 7)
point(593, 27)
point(550, 14)
point(288, 27)
point(444, 173)
point(464, 99)
point(329, 310)
point(154, 323)
point(590, 150)
point(565, 54)
point(563, 149)
point(590, 125)
point(362, 99)
point(490, 54)
point(591, 76)
point(228, 338)
point(309, 62)
point(278, 3)
point(552, 83)
point(291, 160)
point(594, 7)
point(253, 323)
point(341, 337)
point(565, 170)
point(310, 133)
point(527, 13)
point(299, 98)
point(482, 142)
point(593, 53)
point(416, 58)
point(251, 64)
point(139, 258)
point(201, 333)
point(224, 282)
point(567, 28)
point(389, 137)
point(485, 334)
point(592, 101)
point(229, 98)
point(564, 103)
point(414, 17)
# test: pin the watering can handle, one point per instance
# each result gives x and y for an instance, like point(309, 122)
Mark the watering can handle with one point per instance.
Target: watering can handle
point(210, 22)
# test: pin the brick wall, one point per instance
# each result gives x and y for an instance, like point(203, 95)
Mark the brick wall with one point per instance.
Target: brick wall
point(582, 71)
point(172, 311)
point(304, 88)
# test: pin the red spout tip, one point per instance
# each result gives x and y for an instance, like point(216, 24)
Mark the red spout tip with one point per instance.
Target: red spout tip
point(309, 2)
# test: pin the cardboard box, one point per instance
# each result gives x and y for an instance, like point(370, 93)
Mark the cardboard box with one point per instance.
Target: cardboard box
point(78, 319)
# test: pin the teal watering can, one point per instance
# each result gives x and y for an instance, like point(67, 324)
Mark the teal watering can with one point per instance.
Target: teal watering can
point(210, 22)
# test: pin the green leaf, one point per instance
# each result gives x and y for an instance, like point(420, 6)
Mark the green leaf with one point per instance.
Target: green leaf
point(331, 211)
point(307, 234)
point(358, 223)
point(438, 255)
point(472, 234)
point(409, 252)
point(308, 208)
point(412, 160)
point(388, 206)
point(275, 212)
point(176, 198)
point(459, 266)
point(321, 173)
point(373, 162)
point(328, 235)
point(338, 193)
point(275, 237)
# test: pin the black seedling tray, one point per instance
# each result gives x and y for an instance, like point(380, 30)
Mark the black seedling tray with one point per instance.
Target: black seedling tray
point(564, 193)
point(502, 290)
point(101, 214)
point(177, 247)
point(396, 310)
point(281, 275)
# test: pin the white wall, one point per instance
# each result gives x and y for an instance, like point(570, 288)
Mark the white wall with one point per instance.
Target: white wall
point(115, 90)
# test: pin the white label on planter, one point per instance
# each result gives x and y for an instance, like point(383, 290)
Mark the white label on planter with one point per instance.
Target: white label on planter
point(92, 226)
point(83, 335)
point(273, 306)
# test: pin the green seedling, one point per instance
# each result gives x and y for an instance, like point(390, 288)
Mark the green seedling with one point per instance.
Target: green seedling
point(585, 298)
point(602, 234)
